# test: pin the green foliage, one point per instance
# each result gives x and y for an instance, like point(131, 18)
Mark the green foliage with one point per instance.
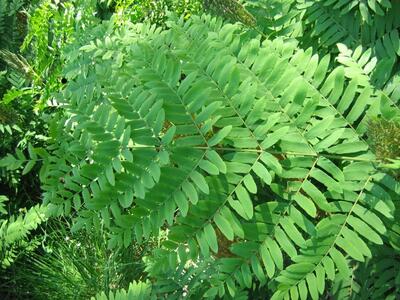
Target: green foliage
point(14, 232)
point(76, 266)
point(12, 31)
point(384, 136)
point(12, 23)
point(322, 24)
point(51, 28)
point(136, 290)
point(250, 154)
point(230, 9)
point(28, 86)
point(155, 12)
point(199, 158)
point(20, 124)
point(3, 199)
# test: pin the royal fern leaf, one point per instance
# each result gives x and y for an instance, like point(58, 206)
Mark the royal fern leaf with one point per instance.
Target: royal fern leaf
point(249, 153)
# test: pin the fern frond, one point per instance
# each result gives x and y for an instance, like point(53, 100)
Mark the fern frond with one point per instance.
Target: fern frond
point(249, 153)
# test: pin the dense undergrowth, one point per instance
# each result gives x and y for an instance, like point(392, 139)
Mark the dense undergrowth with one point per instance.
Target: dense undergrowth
point(199, 149)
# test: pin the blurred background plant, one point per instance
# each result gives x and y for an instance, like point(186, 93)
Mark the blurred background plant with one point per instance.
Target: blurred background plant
point(153, 11)
point(33, 35)
point(384, 136)
point(19, 123)
point(232, 10)
point(14, 232)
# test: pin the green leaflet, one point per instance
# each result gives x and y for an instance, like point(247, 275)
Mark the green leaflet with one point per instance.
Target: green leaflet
point(209, 167)
point(275, 253)
point(200, 182)
point(219, 136)
point(272, 162)
point(262, 172)
point(316, 195)
point(250, 184)
point(202, 241)
point(28, 167)
point(211, 238)
point(267, 261)
point(348, 148)
point(224, 226)
point(364, 230)
point(182, 203)
point(244, 199)
point(207, 112)
point(312, 286)
point(190, 191)
point(274, 137)
point(329, 267)
point(216, 160)
point(168, 136)
point(306, 204)
point(340, 262)
point(285, 243)
point(350, 248)
point(320, 278)
point(110, 175)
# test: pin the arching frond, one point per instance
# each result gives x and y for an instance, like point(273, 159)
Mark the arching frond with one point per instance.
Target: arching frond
point(249, 153)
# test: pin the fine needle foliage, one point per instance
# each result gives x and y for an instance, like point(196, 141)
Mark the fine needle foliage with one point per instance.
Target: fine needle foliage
point(75, 266)
point(253, 151)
